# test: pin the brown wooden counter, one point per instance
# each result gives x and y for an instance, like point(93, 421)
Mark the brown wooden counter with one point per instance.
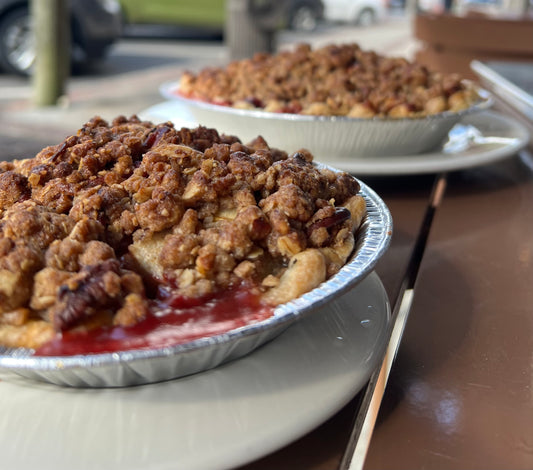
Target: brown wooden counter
point(459, 395)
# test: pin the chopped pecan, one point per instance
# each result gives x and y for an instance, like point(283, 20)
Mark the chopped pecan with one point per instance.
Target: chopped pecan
point(87, 293)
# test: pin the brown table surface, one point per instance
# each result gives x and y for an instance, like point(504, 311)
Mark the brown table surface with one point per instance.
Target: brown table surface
point(460, 391)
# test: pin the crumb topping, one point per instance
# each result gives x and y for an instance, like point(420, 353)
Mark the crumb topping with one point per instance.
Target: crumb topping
point(96, 227)
point(334, 80)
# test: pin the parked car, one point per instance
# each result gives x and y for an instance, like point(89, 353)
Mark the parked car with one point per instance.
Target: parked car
point(360, 12)
point(95, 26)
point(299, 14)
point(305, 15)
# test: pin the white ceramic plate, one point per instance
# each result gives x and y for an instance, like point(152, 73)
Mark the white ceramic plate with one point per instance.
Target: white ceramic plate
point(214, 420)
point(341, 136)
point(478, 139)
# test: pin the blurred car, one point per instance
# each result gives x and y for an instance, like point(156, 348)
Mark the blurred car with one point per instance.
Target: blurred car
point(435, 7)
point(359, 12)
point(95, 26)
point(303, 15)
point(197, 13)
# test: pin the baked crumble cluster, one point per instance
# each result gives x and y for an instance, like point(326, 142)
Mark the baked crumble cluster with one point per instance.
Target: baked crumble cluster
point(335, 80)
point(92, 229)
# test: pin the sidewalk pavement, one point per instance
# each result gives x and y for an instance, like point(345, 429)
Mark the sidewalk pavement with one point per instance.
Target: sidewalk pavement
point(25, 129)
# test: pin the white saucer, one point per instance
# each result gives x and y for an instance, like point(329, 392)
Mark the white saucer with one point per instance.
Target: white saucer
point(214, 420)
point(479, 139)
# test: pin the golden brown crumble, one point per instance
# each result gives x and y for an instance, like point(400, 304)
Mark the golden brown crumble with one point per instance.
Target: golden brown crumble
point(335, 80)
point(92, 227)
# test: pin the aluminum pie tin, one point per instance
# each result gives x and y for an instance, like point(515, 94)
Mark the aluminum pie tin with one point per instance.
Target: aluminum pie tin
point(136, 367)
point(329, 138)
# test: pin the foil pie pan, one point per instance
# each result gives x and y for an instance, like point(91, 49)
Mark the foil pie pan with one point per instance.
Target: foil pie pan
point(119, 369)
point(328, 137)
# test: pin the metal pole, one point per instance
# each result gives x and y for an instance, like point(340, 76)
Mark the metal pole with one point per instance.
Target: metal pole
point(52, 50)
point(243, 36)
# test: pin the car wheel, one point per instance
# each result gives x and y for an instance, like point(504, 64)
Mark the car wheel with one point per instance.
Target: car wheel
point(303, 18)
point(17, 51)
point(366, 18)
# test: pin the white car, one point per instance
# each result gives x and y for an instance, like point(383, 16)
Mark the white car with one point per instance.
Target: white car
point(360, 12)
